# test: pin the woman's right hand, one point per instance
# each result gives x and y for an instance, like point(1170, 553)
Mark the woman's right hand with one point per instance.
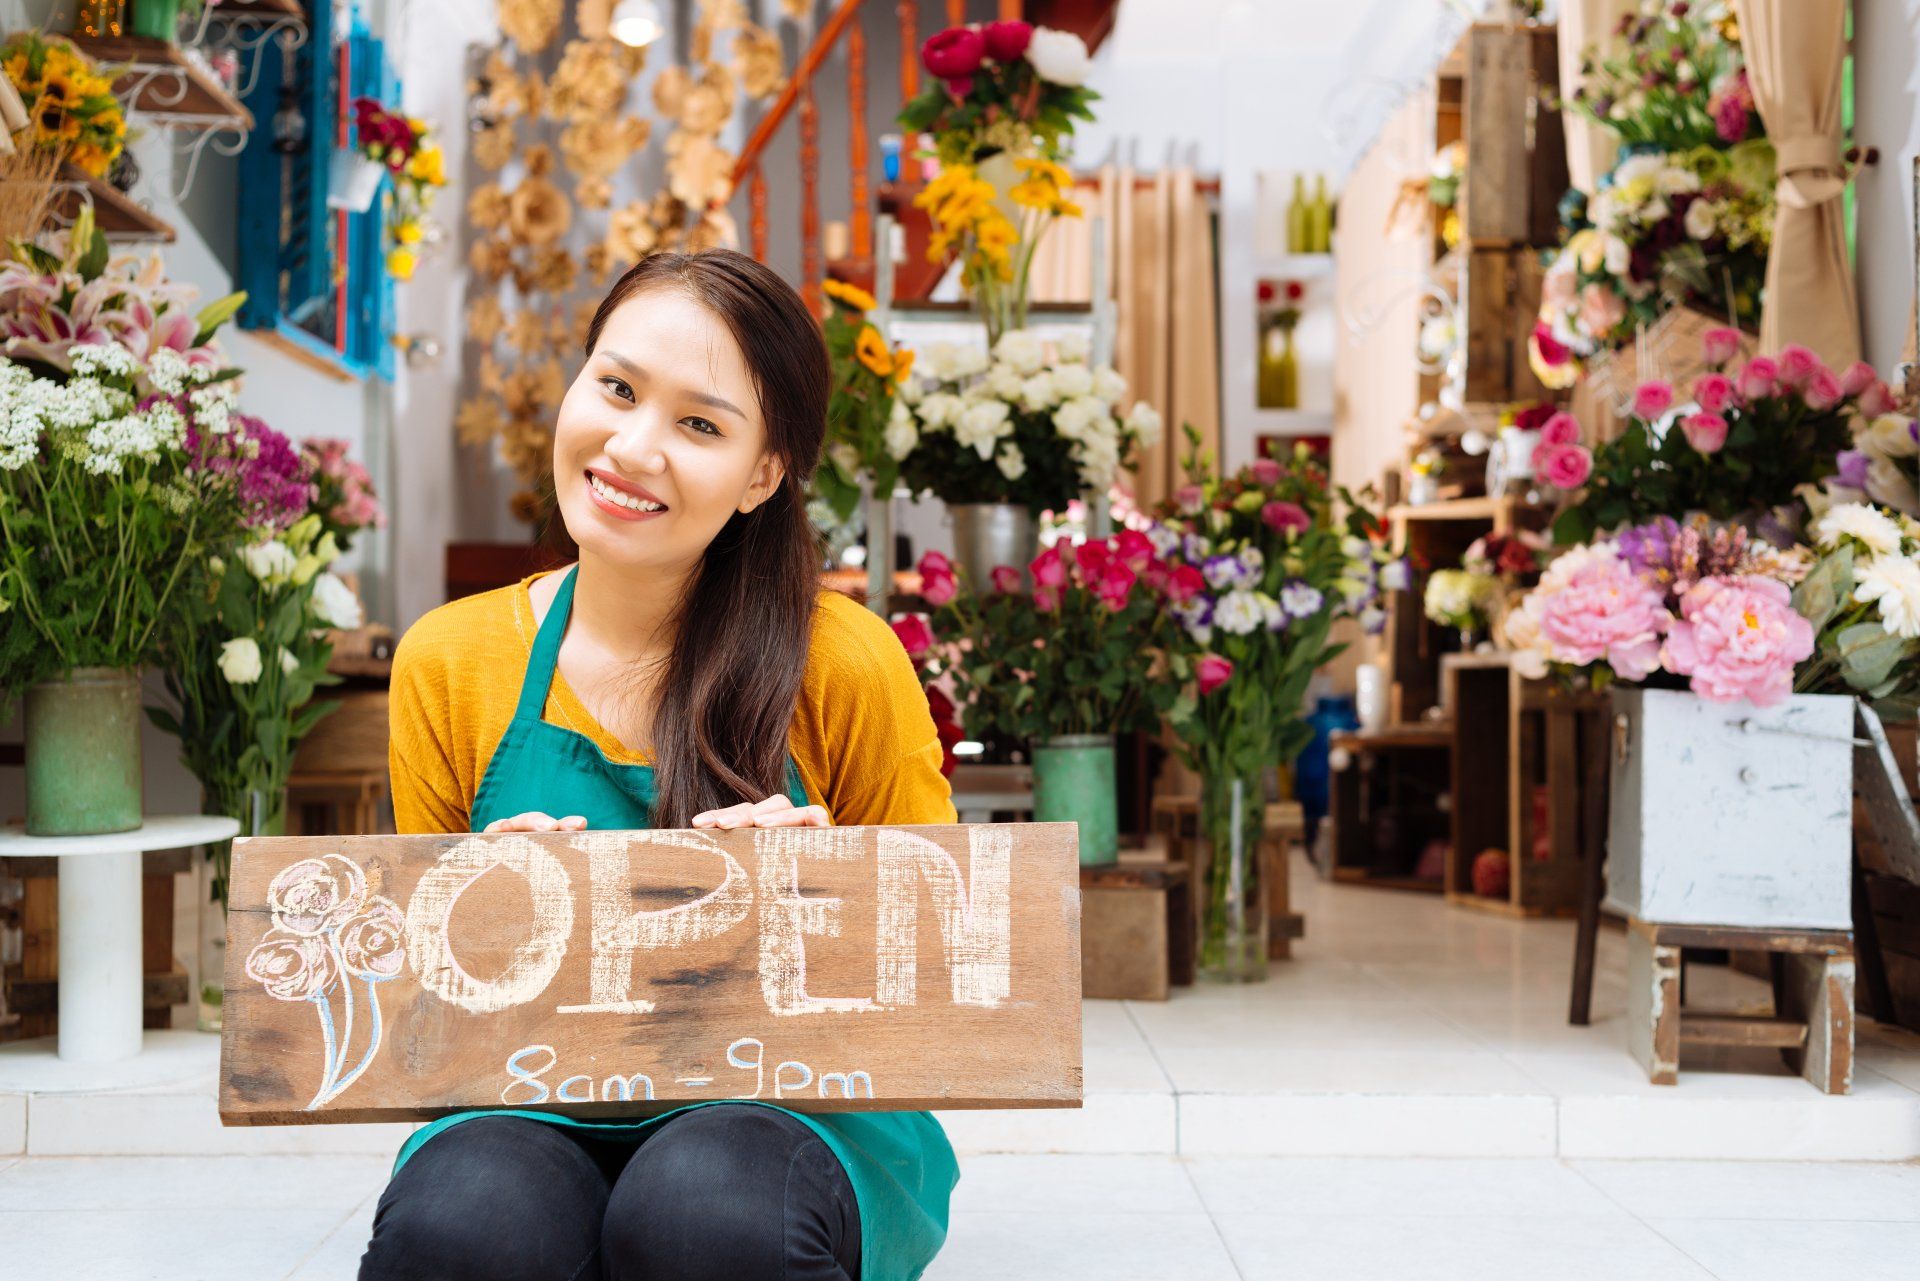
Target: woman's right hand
point(535, 821)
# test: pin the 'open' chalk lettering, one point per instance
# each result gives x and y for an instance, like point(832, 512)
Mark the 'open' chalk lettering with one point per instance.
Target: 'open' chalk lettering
point(533, 963)
point(975, 915)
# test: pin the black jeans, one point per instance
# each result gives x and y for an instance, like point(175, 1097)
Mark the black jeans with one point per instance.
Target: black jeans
point(722, 1193)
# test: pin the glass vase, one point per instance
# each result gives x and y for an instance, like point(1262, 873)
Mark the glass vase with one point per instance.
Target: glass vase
point(1233, 929)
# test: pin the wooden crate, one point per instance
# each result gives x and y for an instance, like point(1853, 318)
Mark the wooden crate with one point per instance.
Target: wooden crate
point(1670, 348)
point(1385, 804)
point(1136, 930)
point(353, 738)
point(1516, 146)
point(1436, 535)
point(1501, 298)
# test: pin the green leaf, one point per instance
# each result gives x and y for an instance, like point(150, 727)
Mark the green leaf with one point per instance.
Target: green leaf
point(1822, 593)
point(1868, 653)
point(215, 314)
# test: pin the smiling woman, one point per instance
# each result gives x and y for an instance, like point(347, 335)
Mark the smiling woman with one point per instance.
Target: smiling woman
point(688, 671)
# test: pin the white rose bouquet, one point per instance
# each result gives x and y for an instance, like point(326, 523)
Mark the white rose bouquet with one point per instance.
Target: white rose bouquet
point(1016, 425)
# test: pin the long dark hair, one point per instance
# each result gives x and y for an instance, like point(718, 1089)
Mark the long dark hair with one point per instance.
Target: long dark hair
point(727, 695)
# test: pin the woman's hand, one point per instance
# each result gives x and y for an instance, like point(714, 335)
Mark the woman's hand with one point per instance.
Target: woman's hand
point(535, 821)
point(774, 811)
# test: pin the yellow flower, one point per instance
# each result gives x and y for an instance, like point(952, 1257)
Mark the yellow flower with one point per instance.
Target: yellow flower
point(995, 235)
point(871, 349)
point(902, 364)
point(92, 159)
point(407, 232)
point(853, 296)
point(429, 166)
point(400, 264)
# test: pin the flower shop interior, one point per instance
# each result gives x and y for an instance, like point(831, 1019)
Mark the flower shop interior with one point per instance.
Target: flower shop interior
point(1429, 487)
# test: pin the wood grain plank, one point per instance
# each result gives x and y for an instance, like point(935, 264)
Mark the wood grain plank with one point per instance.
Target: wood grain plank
point(383, 978)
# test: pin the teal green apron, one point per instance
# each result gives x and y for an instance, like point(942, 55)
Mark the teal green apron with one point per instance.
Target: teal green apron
point(900, 1163)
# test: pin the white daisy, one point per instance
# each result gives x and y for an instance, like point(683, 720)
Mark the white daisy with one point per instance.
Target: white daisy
point(1893, 582)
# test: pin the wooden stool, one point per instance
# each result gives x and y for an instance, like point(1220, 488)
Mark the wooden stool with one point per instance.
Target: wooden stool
point(1812, 1021)
point(1136, 930)
point(335, 802)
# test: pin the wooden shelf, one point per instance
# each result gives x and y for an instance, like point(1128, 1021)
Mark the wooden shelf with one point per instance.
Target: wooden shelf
point(158, 80)
point(261, 10)
point(1394, 737)
point(114, 212)
point(1499, 510)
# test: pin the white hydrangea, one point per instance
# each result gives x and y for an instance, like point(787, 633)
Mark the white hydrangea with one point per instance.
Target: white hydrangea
point(1108, 385)
point(1040, 393)
point(1022, 349)
point(212, 407)
point(1012, 463)
point(167, 371)
point(335, 604)
point(981, 426)
point(93, 359)
point(1003, 382)
point(22, 408)
point(1144, 421)
point(901, 435)
point(939, 410)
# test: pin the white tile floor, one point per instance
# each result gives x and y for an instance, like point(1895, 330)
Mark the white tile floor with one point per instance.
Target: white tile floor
point(1405, 1098)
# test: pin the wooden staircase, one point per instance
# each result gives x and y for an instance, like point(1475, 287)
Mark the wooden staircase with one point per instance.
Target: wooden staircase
point(1091, 20)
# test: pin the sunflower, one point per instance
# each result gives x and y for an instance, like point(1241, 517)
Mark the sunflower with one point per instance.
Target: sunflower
point(852, 295)
point(871, 349)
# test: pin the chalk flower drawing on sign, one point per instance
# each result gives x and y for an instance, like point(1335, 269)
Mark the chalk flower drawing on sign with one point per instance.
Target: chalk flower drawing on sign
point(326, 933)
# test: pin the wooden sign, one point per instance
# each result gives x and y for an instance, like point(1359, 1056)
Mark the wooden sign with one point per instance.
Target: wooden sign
point(380, 978)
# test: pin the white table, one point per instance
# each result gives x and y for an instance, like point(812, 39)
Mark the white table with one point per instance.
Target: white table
point(100, 970)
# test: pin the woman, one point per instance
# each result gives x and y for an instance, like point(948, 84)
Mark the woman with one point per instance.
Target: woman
point(687, 671)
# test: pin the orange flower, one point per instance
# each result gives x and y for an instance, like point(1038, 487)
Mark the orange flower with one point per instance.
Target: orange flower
point(872, 351)
point(902, 364)
point(852, 295)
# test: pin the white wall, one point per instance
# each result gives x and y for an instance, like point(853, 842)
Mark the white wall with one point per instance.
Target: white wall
point(1887, 115)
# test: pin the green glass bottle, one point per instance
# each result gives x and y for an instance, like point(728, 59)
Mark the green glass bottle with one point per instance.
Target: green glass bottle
point(1320, 218)
point(1299, 233)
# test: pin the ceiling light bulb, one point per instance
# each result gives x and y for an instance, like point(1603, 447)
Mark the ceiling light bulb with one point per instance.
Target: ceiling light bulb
point(635, 23)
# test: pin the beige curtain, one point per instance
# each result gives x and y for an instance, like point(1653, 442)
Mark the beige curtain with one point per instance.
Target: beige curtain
point(13, 116)
point(1794, 50)
point(1160, 253)
point(1590, 149)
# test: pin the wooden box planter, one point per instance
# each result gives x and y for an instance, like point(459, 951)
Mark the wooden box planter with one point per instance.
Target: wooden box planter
point(1670, 348)
point(1500, 291)
point(1516, 147)
point(1728, 814)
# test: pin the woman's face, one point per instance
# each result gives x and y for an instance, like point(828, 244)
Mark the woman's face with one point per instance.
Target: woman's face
point(660, 439)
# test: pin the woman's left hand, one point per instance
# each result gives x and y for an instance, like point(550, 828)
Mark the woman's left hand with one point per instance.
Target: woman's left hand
point(774, 811)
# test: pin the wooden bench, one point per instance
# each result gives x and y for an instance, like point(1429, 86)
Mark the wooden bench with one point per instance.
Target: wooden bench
point(1812, 1020)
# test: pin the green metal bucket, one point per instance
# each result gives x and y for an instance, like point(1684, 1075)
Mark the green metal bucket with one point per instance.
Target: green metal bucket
point(83, 753)
point(1073, 783)
point(155, 19)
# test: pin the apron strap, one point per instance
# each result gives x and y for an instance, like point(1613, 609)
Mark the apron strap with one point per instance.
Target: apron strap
point(546, 651)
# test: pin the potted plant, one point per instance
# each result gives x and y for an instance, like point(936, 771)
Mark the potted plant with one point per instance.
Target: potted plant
point(1263, 563)
point(1062, 666)
point(1002, 436)
point(104, 506)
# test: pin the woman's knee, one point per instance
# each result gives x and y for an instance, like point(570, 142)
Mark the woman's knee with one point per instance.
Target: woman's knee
point(497, 1198)
point(732, 1192)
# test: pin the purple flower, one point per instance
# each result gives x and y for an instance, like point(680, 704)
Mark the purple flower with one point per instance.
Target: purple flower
point(1853, 464)
point(272, 476)
point(1649, 548)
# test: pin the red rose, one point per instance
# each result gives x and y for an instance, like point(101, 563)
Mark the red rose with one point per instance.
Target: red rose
point(937, 583)
point(914, 634)
point(1048, 570)
point(1092, 559)
point(955, 52)
point(1295, 291)
point(1184, 583)
point(1553, 352)
point(1265, 291)
point(1134, 548)
point(959, 86)
point(1006, 41)
point(1006, 579)
point(1533, 416)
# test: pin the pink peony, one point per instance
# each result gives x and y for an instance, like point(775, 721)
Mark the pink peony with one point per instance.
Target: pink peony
point(1705, 432)
point(1006, 579)
point(1824, 390)
point(1561, 429)
point(1184, 583)
point(1591, 607)
point(314, 894)
point(1134, 549)
point(1756, 380)
point(914, 634)
point(1286, 518)
point(1563, 466)
point(1739, 638)
point(1190, 499)
point(1266, 472)
point(1858, 378)
point(1720, 345)
point(1652, 399)
point(1006, 41)
point(1212, 671)
point(1713, 392)
point(937, 582)
point(1797, 366)
point(1601, 310)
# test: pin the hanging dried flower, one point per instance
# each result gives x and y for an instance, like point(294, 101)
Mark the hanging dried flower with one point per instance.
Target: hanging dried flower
point(527, 332)
point(490, 259)
point(598, 148)
point(550, 383)
point(723, 15)
point(485, 318)
point(487, 206)
point(560, 331)
point(531, 24)
point(669, 88)
point(554, 271)
point(593, 193)
point(698, 172)
point(493, 379)
point(522, 395)
point(631, 234)
point(798, 10)
point(492, 147)
point(583, 313)
point(538, 213)
point(757, 62)
point(715, 230)
point(588, 83)
point(479, 420)
point(526, 445)
point(597, 261)
point(704, 110)
point(538, 160)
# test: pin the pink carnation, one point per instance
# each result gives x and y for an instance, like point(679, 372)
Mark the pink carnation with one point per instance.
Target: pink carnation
point(1134, 549)
point(1713, 393)
point(1285, 518)
point(1563, 466)
point(1591, 607)
point(1739, 638)
point(1652, 399)
point(1720, 345)
point(1798, 366)
point(914, 634)
point(1561, 429)
point(1048, 569)
point(1705, 432)
point(1266, 472)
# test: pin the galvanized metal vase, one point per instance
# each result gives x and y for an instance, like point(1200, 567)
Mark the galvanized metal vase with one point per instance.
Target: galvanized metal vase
point(83, 753)
point(1073, 783)
point(990, 534)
